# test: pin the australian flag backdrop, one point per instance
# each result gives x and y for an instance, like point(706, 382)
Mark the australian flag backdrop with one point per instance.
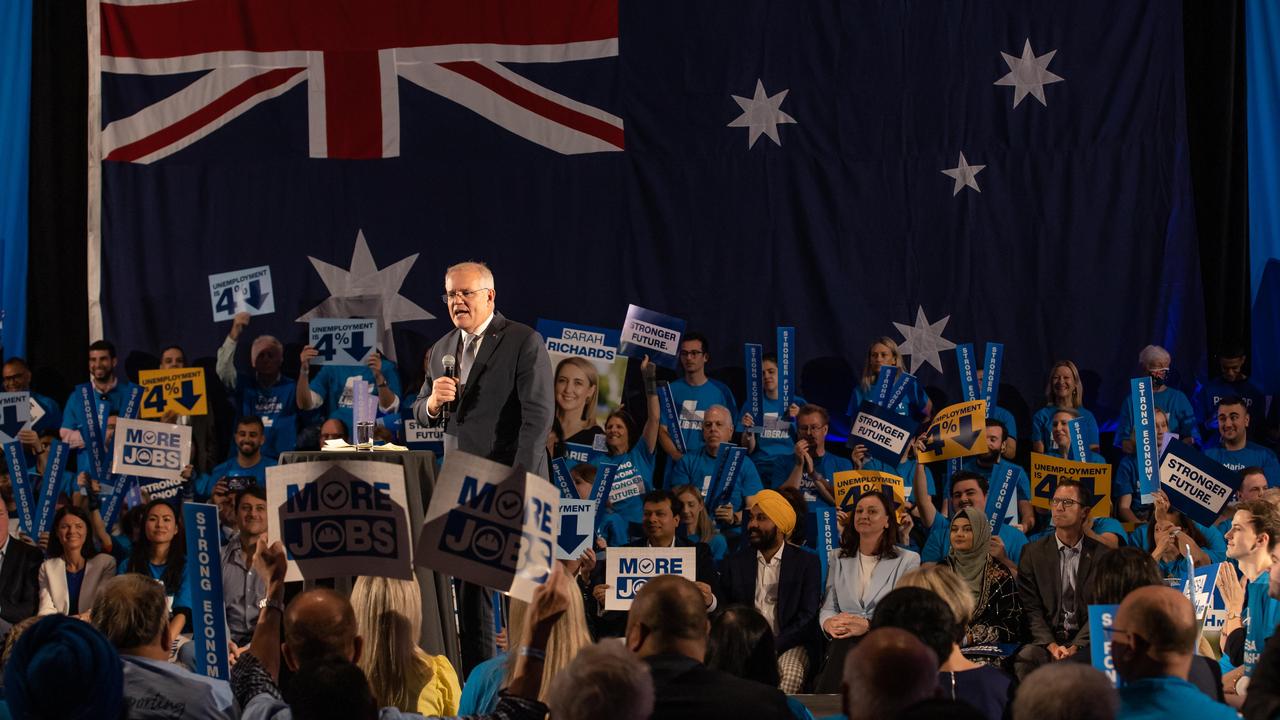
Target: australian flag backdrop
point(1018, 168)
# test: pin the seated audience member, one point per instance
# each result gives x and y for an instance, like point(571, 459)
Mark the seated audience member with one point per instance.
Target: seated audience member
point(698, 468)
point(884, 351)
point(1126, 486)
point(741, 644)
point(930, 619)
point(1063, 391)
point(1252, 614)
point(661, 517)
point(1263, 699)
point(780, 580)
point(1234, 449)
point(1066, 691)
point(667, 627)
point(1054, 584)
point(249, 461)
point(813, 469)
point(264, 392)
point(1152, 644)
point(1252, 484)
point(320, 625)
point(333, 688)
point(17, 378)
point(61, 667)
point(160, 553)
point(132, 612)
point(577, 396)
point(771, 447)
point(334, 429)
point(694, 393)
point(862, 570)
point(1230, 381)
point(331, 387)
point(242, 588)
point(1155, 361)
point(968, 489)
point(697, 523)
point(631, 448)
point(605, 681)
point(401, 674)
point(996, 615)
point(889, 671)
point(69, 580)
point(1000, 472)
point(1170, 532)
point(19, 591)
point(569, 635)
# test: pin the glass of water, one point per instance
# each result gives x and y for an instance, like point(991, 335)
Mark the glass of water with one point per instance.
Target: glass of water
point(364, 436)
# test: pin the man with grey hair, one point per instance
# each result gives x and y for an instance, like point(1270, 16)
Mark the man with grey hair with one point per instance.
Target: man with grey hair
point(605, 681)
point(1155, 362)
point(132, 613)
point(265, 392)
point(888, 671)
point(698, 467)
point(1041, 695)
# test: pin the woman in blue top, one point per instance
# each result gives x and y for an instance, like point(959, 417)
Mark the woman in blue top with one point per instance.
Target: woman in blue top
point(697, 524)
point(1063, 391)
point(161, 553)
point(632, 451)
point(884, 351)
point(1171, 532)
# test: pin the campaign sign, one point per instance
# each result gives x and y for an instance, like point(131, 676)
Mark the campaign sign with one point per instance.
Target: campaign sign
point(992, 361)
point(598, 346)
point(204, 581)
point(150, 449)
point(852, 484)
point(628, 569)
point(786, 365)
point(563, 480)
point(1211, 609)
point(342, 341)
point(957, 431)
point(48, 504)
point(1000, 494)
point(339, 518)
point(15, 412)
point(884, 382)
point(21, 485)
point(577, 527)
point(180, 391)
point(577, 453)
point(646, 332)
point(968, 365)
point(901, 385)
point(92, 433)
point(823, 535)
point(753, 358)
point(1197, 485)
point(420, 437)
point(1101, 620)
point(1075, 440)
point(1046, 470)
point(885, 433)
point(671, 412)
point(1143, 410)
point(240, 291)
point(491, 525)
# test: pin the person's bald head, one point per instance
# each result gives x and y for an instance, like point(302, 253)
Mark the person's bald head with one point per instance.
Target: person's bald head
point(717, 425)
point(890, 669)
point(1154, 633)
point(320, 623)
point(668, 615)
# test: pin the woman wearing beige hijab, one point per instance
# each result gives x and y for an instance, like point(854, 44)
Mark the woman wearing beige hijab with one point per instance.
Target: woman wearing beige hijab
point(994, 589)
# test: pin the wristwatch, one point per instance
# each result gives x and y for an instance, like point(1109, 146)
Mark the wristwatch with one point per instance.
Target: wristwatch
point(267, 602)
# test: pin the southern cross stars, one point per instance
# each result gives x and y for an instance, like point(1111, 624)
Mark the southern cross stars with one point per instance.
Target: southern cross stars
point(1028, 74)
point(761, 114)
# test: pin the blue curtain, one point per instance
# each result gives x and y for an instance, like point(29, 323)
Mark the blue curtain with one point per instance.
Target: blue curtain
point(15, 113)
point(1262, 42)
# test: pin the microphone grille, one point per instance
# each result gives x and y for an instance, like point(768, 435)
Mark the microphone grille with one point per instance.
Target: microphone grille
point(448, 361)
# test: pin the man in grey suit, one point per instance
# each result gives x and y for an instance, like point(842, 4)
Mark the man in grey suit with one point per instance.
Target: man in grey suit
point(1054, 577)
point(503, 390)
point(500, 407)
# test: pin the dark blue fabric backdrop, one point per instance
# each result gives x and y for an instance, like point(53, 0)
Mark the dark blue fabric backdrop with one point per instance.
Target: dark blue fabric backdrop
point(1081, 243)
point(15, 111)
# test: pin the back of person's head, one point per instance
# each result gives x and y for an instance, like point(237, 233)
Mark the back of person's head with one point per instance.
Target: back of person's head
point(63, 669)
point(389, 620)
point(742, 644)
point(1120, 571)
point(569, 635)
point(331, 688)
point(1066, 691)
point(606, 681)
point(668, 615)
point(1160, 634)
point(941, 709)
point(888, 671)
point(944, 581)
point(924, 614)
point(131, 611)
point(317, 624)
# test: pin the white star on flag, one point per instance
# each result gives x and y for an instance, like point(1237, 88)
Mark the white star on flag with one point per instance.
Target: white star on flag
point(366, 291)
point(1028, 74)
point(762, 115)
point(964, 174)
point(923, 341)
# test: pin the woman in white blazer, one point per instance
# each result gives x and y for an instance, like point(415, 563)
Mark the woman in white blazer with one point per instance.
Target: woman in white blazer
point(70, 578)
point(862, 570)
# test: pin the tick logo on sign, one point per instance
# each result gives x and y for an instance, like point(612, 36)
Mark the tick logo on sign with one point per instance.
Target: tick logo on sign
point(341, 515)
point(633, 573)
point(153, 448)
point(486, 527)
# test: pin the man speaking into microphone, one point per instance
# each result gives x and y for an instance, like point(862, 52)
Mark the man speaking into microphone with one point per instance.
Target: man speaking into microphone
point(496, 401)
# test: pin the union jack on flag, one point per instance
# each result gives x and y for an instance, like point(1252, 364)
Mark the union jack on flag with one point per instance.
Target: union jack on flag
point(351, 55)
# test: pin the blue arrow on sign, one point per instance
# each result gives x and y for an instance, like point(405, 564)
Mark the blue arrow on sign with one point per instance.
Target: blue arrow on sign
point(569, 538)
point(188, 398)
point(358, 349)
point(9, 422)
point(256, 297)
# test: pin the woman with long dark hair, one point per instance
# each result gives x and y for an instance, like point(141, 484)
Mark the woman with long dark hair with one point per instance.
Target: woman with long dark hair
point(70, 578)
point(161, 553)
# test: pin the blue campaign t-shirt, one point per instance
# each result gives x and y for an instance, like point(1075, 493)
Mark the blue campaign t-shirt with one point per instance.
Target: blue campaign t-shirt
point(827, 466)
point(775, 442)
point(1177, 409)
point(276, 405)
point(1169, 698)
point(1042, 426)
point(1215, 546)
point(73, 417)
point(1125, 481)
point(52, 418)
point(1261, 613)
point(692, 402)
point(911, 405)
point(632, 479)
point(232, 468)
point(938, 545)
point(1207, 396)
point(333, 385)
point(1021, 483)
point(1101, 526)
point(905, 470)
point(696, 469)
point(1251, 455)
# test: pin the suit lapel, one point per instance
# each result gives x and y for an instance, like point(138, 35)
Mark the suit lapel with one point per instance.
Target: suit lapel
point(58, 583)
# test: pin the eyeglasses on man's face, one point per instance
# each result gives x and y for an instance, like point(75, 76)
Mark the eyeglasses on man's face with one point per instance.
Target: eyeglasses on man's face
point(465, 295)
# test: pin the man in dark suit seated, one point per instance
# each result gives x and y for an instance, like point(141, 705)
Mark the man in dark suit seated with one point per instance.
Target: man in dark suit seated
point(19, 568)
point(667, 627)
point(1054, 581)
point(661, 518)
point(781, 580)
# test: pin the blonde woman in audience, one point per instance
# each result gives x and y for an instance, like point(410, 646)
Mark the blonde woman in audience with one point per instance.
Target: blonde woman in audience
point(697, 523)
point(401, 674)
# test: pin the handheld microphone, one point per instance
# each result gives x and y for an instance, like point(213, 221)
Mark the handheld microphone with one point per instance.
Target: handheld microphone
point(450, 365)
